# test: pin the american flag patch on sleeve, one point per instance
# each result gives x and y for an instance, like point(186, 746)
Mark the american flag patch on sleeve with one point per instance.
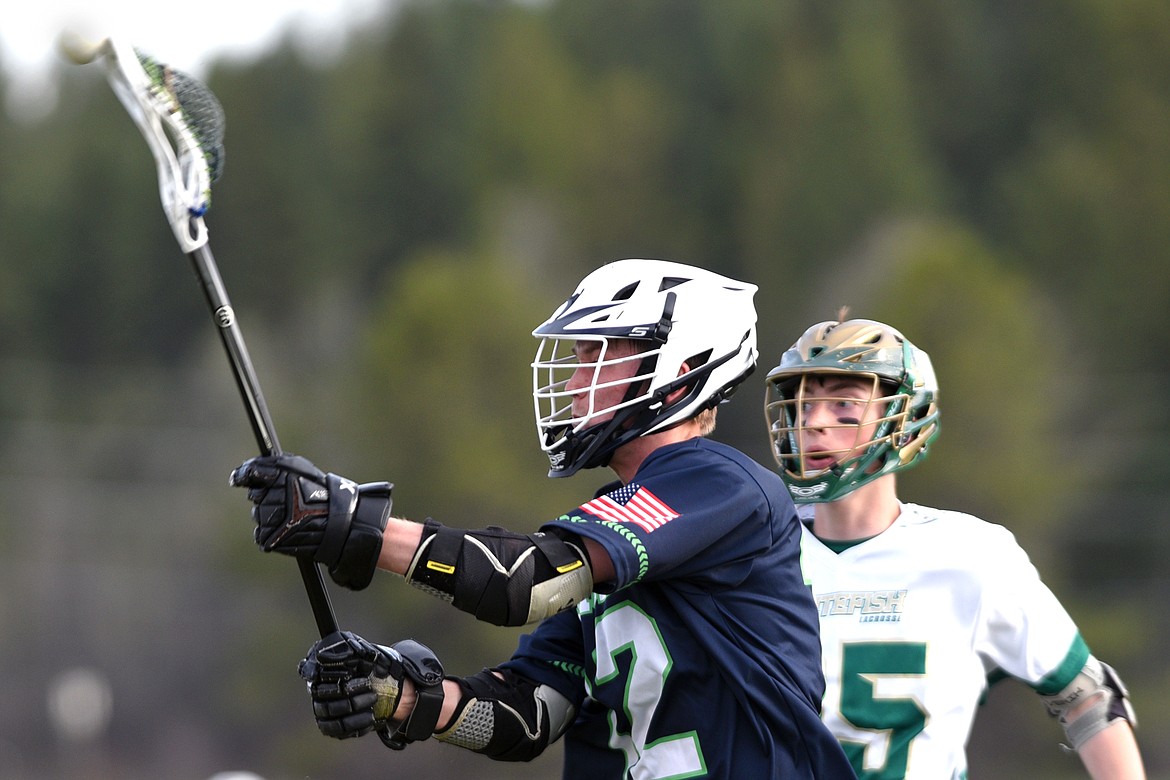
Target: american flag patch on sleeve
point(632, 503)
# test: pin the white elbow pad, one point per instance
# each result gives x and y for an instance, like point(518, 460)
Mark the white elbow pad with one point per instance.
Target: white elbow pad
point(1108, 700)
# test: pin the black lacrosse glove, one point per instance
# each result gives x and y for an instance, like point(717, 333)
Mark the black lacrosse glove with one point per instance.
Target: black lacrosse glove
point(300, 510)
point(356, 687)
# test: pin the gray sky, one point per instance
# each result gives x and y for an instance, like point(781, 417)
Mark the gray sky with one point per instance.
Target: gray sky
point(186, 36)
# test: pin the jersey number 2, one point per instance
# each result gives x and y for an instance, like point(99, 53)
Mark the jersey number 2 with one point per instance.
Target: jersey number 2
point(636, 634)
point(862, 664)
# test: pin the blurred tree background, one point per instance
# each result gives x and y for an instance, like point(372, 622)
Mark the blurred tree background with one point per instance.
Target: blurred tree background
point(992, 177)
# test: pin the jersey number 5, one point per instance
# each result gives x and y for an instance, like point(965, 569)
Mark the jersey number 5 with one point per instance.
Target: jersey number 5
point(863, 665)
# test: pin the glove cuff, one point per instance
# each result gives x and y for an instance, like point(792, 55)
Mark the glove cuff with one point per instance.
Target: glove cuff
point(424, 669)
point(343, 501)
point(357, 561)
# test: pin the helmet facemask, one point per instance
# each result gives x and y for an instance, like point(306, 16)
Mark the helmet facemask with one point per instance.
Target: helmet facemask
point(607, 416)
point(568, 368)
point(813, 470)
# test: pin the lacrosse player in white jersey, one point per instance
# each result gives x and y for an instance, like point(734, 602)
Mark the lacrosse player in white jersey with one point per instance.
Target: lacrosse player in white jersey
point(918, 607)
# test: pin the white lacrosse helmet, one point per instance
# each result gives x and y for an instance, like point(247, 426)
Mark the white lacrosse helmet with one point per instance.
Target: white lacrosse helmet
point(682, 313)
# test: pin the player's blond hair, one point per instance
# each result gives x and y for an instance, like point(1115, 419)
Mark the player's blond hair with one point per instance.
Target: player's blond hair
point(706, 421)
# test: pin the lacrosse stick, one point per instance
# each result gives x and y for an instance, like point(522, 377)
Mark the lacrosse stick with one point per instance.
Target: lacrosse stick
point(183, 124)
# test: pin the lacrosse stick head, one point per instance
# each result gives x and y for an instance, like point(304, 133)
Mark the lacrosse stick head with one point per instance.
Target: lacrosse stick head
point(181, 120)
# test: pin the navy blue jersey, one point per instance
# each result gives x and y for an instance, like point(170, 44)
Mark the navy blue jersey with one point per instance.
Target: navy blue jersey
point(702, 659)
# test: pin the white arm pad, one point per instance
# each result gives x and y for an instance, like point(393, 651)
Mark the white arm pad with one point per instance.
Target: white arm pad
point(1091, 702)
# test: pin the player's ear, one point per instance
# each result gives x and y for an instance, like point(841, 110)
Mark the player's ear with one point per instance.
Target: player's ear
point(685, 368)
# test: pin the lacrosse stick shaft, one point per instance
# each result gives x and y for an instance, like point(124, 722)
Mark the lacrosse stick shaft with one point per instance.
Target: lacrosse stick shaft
point(182, 123)
point(249, 387)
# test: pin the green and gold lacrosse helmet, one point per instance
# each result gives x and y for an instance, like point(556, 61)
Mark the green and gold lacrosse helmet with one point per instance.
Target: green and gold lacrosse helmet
point(903, 381)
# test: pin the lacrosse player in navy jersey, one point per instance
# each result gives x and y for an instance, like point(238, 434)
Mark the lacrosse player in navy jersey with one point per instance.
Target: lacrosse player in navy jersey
point(919, 607)
point(676, 635)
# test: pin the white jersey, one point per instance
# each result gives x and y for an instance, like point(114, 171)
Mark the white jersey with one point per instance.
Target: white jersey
point(913, 623)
